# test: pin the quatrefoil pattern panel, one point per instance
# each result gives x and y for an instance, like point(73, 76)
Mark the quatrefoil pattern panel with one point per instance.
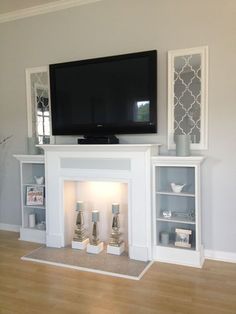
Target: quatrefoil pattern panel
point(187, 96)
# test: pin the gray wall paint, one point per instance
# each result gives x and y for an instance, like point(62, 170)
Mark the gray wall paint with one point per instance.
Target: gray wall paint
point(115, 27)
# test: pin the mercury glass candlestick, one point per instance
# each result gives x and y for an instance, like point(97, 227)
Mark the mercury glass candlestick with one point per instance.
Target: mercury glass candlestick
point(116, 245)
point(95, 246)
point(115, 234)
point(95, 220)
point(80, 232)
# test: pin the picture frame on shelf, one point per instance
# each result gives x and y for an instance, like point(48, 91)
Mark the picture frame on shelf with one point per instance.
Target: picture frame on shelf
point(182, 238)
point(34, 196)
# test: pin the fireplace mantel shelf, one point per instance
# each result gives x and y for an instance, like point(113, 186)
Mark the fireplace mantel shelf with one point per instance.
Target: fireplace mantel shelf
point(109, 148)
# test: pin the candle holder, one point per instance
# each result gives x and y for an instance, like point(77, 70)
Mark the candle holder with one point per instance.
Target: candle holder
point(95, 246)
point(116, 245)
point(95, 239)
point(80, 239)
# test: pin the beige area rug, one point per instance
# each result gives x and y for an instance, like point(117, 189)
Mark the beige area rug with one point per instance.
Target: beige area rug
point(103, 263)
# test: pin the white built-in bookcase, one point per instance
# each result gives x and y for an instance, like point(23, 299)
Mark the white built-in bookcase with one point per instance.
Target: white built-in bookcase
point(185, 209)
point(31, 166)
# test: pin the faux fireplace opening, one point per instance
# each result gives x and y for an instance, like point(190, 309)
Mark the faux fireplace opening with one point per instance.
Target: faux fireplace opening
point(95, 195)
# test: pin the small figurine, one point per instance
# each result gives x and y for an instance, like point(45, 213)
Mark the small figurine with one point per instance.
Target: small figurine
point(177, 188)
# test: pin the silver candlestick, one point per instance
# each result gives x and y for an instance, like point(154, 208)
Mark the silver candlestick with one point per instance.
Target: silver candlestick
point(80, 232)
point(95, 219)
point(116, 245)
point(95, 239)
point(80, 239)
point(115, 234)
point(95, 246)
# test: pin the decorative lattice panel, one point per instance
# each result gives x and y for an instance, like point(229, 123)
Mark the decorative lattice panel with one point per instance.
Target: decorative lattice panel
point(187, 96)
point(42, 114)
point(40, 106)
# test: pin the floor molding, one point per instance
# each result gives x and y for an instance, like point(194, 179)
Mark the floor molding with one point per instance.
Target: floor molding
point(42, 9)
point(8, 227)
point(222, 256)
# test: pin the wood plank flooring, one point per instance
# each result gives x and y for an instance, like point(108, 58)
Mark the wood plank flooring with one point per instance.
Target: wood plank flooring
point(31, 288)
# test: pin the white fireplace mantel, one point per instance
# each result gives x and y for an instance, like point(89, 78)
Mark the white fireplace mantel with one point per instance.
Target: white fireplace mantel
point(103, 147)
point(122, 163)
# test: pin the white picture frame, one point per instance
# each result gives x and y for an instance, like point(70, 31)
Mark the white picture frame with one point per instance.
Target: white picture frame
point(35, 77)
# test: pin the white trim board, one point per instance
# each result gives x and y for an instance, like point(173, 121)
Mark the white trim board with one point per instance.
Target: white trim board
point(8, 227)
point(221, 256)
point(42, 9)
point(102, 272)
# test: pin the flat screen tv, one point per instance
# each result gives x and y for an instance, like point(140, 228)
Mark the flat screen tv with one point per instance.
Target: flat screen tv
point(105, 96)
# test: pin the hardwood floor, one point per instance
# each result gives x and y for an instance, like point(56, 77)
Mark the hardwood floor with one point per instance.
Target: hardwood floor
point(27, 287)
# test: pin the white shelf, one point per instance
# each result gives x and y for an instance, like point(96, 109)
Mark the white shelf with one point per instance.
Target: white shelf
point(33, 184)
point(101, 147)
point(188, 222)
point(176, 194)
point(30, 158)
point(173, 246)
point(178, 160)
point(35, 206)
point(35, 228)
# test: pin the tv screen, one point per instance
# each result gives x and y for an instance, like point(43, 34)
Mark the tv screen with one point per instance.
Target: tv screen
point(109, 95)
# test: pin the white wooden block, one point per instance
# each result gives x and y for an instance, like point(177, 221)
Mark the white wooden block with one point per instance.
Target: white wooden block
point(95, 249)
point(116, 250)
point(80, 245)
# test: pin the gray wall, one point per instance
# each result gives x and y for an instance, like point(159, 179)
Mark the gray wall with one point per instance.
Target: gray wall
point(115, 27)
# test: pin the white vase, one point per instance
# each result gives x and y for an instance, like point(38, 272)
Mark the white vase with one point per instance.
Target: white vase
point(182, 142)
point(31, 220)
point(31, 148)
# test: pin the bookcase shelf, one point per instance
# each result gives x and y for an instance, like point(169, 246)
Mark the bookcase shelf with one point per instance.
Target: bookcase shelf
point(32, 166)
point(176, 221)
point(176, 194)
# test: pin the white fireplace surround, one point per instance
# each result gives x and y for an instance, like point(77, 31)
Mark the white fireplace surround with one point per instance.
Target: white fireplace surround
point(126, 163)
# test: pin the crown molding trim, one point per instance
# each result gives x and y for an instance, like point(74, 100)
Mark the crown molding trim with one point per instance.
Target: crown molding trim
point(42, 9)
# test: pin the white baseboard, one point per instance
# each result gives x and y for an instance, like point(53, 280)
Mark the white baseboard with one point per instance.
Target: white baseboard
point(7, 227)
point(222, 256)
point(138, 253)
point(54, 240)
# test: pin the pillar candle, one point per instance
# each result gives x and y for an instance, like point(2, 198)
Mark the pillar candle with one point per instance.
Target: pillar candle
point(79, 206)
point(95, 215)
point(31, 220)
point(115, 208)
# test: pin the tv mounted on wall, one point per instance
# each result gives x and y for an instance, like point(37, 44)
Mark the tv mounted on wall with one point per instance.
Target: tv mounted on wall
point(105, 96)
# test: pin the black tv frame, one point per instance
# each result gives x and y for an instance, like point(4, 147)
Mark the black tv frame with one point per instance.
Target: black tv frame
point(109, 129)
